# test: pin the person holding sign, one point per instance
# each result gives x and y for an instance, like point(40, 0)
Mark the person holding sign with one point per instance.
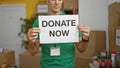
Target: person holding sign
point(57, 55)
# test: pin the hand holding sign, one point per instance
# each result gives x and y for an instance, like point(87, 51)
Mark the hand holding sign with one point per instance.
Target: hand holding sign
point(32, 34)
point(58, 29)
point(33, 44)
point(84, 29)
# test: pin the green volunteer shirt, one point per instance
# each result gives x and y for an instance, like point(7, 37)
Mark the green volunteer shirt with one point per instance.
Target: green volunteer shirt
point(67, 54)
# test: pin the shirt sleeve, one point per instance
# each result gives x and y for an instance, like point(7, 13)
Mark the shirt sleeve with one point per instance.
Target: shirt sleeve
point(36, 25)
point(80, 34)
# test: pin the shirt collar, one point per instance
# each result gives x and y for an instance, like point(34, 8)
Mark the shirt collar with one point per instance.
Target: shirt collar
point(61, 13)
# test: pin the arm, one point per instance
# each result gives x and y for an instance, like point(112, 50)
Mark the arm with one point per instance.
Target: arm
point(83, 41)
point(81, 46)
point(33, 42)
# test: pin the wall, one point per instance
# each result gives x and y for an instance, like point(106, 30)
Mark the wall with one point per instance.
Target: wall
point(30, 5)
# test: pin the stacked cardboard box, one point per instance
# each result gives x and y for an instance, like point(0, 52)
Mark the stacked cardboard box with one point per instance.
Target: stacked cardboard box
point(114, 24)
point(7, 57)
point(97, 43)
point(28, 61)
point(114, 14)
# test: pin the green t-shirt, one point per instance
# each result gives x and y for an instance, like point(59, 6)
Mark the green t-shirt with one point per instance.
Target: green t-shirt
point(66, 58)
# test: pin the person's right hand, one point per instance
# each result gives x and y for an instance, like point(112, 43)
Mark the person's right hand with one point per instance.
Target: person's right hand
point(33, 34)
point(33, 42)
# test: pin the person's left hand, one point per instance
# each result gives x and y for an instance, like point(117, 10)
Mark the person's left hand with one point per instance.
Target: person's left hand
point(85, 31)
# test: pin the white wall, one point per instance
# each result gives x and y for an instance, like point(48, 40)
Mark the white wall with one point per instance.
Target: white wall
point(94, 13)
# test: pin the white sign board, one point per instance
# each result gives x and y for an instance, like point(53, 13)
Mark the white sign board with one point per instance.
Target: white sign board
point(58, 29)
point(118, 37)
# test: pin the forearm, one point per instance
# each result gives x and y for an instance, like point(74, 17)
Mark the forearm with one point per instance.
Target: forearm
point(33, 47)
point(81, 45)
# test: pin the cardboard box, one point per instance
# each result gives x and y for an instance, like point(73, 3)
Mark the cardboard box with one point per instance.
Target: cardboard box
point(70, 4)
point(112, 38)
point(7, 57)
point(114, 14)
point(100, 41)
point(114, 20)
point(28, 61)
point(114, 23)
point(114, 8)
point(97, 43)
point(111, 35)
point(82, 62)
point(119, 11)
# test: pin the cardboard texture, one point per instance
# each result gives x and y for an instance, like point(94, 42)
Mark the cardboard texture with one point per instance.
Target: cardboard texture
point(7, 57)
point(112, 38)
point(111, 30)
point(96, 45)
point(114, 8)
point(114, 14)
point(82, 62)
point(28, 61)
point(70, 4)
point(114, 19)
point(100, 41)
point(114, 23)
